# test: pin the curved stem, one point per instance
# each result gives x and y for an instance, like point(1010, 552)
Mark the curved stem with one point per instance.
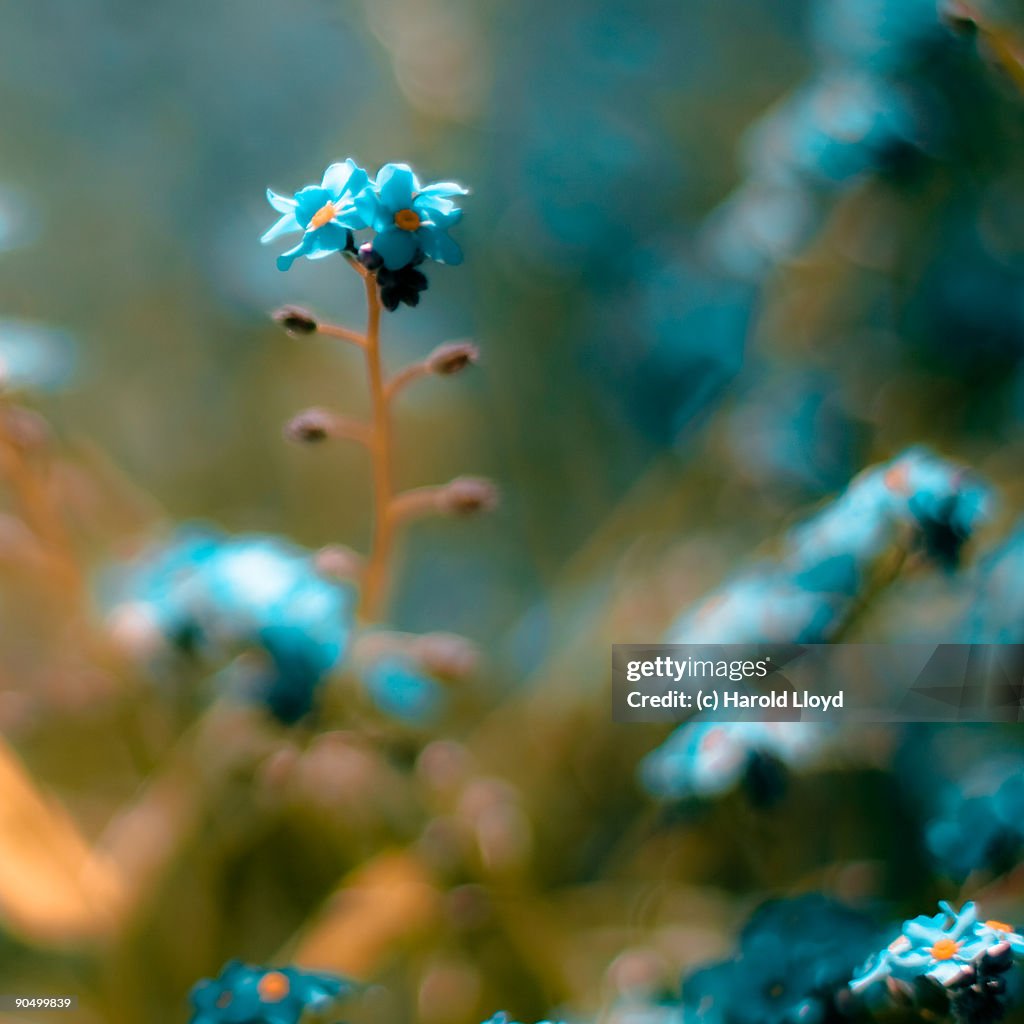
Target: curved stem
point(375, 580)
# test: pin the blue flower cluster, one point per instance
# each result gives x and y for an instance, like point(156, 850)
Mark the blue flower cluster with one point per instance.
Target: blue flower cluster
point(706, 759)
point(793, 961)
point(218, 596)
point(410, 223)
point(806, 595)
point(965, 956)
point(265, 995)
point(861, 113)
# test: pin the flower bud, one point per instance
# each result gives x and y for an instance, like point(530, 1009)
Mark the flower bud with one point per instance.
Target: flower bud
point(338, 562)
point(296, 320)
point(369, 257)
point(467, 495)
point(311, 426)
point(452, 357)
point(446, 655)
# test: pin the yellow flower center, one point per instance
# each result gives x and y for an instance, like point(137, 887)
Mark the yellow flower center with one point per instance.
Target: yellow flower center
point(998, 926)
point(408, 220)
point(323, 216)
point(945, 949)
point(273, 987)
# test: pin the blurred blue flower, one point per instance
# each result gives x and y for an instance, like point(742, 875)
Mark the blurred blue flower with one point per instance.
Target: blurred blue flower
point(703, 759)
point(794, 957)
point(402, 690)
point(980, 824)
point(996, 615)
point(943, 948)
point(806, 594)
point(34, 357)
point(410, 219)
point(264, 995)
point(503, 1018)
point(218, 596)
point(324, 213)
point(831, 131)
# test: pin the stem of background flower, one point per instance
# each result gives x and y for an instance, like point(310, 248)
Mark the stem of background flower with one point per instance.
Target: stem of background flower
point(375, 579)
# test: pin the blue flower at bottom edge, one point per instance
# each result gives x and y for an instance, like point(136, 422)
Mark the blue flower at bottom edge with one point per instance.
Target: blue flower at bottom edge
point(324, 213)
point(792, 958)
point(264, 995)
point(410, 219)
point(941, 948)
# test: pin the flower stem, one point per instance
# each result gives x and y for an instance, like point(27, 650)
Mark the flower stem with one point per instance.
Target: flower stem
point(381, 456)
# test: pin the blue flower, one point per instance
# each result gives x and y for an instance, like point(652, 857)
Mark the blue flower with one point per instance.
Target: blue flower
point(216, 597)
point(410, 220)
point(324, 213)
point(943, 948)
point(264, 995)
point(703, 759)
point(404, 692)
point(794, 956)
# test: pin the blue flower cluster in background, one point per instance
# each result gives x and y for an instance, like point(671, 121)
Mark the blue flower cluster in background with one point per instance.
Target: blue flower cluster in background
point(793, 961)
point(242, 994)
point(410, 222)
point(979, 821)
point(219, 597)
point(706, 759)
point(806, 595)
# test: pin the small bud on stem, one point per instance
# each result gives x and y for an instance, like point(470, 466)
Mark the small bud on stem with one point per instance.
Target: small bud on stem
point(312, 426)
point(296, 320)
point(452, 357)
point(339, 562)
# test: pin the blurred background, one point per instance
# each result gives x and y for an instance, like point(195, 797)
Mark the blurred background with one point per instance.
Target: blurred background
point(720, 259)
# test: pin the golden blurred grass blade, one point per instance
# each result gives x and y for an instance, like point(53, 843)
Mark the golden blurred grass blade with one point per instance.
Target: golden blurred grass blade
point(53, 889)
point(376, 909)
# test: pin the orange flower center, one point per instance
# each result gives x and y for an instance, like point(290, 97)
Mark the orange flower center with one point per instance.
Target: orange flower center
point(323, 216)
point(408, 220)
point(224, 999)
point(945, 949)
point(273, 987)
point(998, 926)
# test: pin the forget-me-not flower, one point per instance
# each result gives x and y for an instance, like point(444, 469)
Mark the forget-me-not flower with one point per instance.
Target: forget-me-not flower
point(324, 213)
point(264, 995)
point(943, 947)
point(410, 219)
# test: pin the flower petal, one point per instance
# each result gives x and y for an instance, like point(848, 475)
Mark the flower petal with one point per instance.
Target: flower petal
point(370, 210)
point(285, 224)
point(438, 246)
point(308, 201)
point(280, 203)
point(444, 188)
point(431, 205)
point(395, 247)
point(396, 184)
point(344, 178)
